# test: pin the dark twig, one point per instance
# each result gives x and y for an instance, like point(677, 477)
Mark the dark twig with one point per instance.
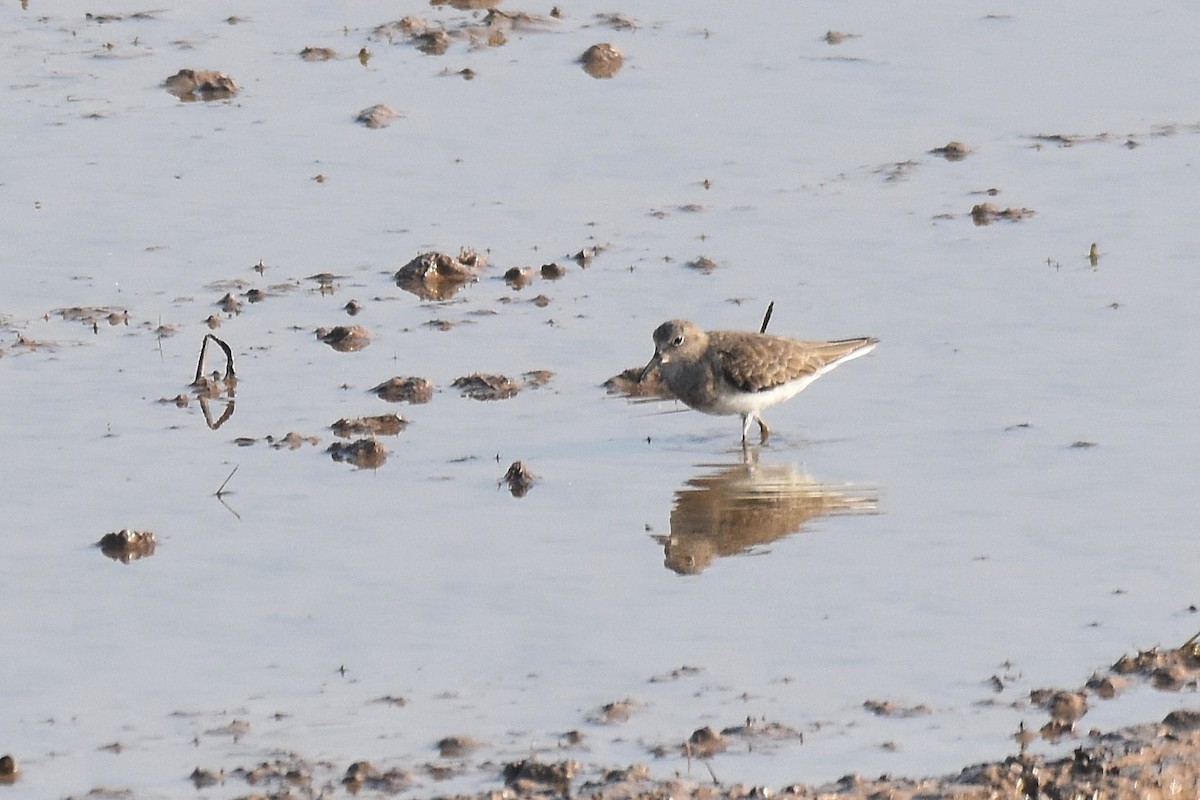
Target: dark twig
point(229, 373)
point(220, 494)
point(766, 319)
point(221, 490)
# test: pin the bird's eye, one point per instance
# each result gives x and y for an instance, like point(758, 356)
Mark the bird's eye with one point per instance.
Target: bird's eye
point(677, 341)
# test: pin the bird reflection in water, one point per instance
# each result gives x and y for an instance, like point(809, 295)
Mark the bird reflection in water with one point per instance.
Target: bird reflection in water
point(736, 509)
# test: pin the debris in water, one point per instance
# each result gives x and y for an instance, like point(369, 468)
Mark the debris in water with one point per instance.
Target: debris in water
point(382, 425)
point(363, 453)
point(438, 276)
point(481, 386)
point(519, 479)
point(631, 383)
point(533, 777)
point(345, 339)
point(987, 213)
point(553, 271)
point(952, 151)
point(204, 84)
point(518, 277)
point(377, 116)
point(457, 746)
point(126, 545)
point(404, 390)
point(837, 37)
point(318, 53)
point(602, 60)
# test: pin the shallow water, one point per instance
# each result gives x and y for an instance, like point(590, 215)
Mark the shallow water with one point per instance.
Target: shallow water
point(995, 547)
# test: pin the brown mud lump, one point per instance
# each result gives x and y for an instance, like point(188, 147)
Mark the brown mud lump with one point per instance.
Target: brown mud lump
point(376, 116)
point(952, 151)
point(457, 746)
point(126, 545)
point(481, 386)
point(404, 390)
point(439, 276)
point(602, 60)
point(529, 776)
point(345, 338)
point(9, 769)
point(382, 425)
point(363, 453)
point(318, 53)
point(201, 84)
point(519, 479)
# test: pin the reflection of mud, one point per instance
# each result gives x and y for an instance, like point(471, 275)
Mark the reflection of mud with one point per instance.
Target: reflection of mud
point(735, 509)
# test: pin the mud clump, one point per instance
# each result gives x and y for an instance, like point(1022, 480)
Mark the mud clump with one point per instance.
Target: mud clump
point(553, 271)
point(439, 276)
point(292, 441)
point(481, 386)
point(10, 770)
point(457, 746)
point(886, 708)
point(518, 277)
point(364, 775)
point(204, 84)
point(404, 390)
point(382, 425)
point(519, 479)
point(837, 37)
point(345, 338)
point(632, 384)
point(363, 453)
point(987, 213)
point(376, 116)
point(126, 545)
point(318, 53)
point(952, 151)
point(613, 713)
point(529, 776)
point(702, 264)
point(602, 60)
point(94, 315)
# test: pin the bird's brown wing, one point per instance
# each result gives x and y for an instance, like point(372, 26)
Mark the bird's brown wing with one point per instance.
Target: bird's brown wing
point(755, 362)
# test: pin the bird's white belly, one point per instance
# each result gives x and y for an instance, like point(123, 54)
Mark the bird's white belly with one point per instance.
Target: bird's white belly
point(743, 403)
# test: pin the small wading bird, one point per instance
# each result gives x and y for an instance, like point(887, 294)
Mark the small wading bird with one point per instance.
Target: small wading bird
point(736, 372)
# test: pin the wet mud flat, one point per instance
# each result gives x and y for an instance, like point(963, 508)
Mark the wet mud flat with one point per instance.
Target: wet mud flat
point(1151, 760)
